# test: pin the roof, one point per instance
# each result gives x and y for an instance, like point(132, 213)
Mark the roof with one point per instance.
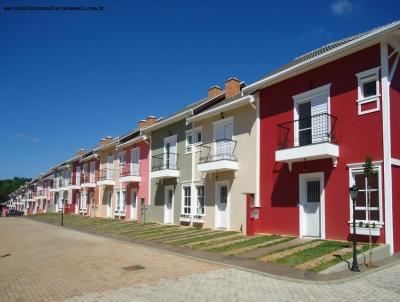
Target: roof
point(321, 52)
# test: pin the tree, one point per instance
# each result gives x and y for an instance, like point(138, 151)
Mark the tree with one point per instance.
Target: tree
point(7, 186)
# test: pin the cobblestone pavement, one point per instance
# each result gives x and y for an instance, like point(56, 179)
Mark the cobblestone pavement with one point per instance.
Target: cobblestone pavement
point(48, 263)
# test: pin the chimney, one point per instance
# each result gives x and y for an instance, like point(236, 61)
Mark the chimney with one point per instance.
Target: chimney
point(105, 140)
point(80, 152)
point(214, 91)
point(142, 124)
point(232, 87)
point(151, 120)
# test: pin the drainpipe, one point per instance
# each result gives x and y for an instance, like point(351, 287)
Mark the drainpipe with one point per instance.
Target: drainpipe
point(192, 188)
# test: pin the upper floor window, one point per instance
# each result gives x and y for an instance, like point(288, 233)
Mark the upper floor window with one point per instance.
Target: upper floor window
point(121, 158)
point(368, 91)
point(193, 137)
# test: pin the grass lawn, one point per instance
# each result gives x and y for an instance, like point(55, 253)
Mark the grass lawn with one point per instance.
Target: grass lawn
point(212, 235)
point(245, 243)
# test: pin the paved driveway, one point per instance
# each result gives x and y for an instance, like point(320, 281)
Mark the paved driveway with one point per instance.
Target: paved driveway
point(48, 263)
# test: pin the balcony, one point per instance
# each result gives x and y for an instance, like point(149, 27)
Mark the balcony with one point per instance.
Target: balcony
point(218, 155)
point(129, 173)
point(89, 180)
point(310, 138)
point(106, 177)
point(165, 165)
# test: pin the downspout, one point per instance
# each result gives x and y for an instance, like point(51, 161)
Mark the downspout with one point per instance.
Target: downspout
point(192, 188)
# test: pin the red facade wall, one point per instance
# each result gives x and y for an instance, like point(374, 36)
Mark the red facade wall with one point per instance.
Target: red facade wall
point(358, 136)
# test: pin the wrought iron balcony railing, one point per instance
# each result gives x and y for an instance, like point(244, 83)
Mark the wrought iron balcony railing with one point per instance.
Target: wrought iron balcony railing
point(319, 128)
point(221, 149)
point(106, 174)
point(130, 169)
point(165, 161)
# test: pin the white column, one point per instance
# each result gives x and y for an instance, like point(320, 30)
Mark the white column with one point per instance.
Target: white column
point(387, 154)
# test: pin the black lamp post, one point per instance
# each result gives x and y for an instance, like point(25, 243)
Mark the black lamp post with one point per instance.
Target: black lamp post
point(62, 212)
point(353, 194)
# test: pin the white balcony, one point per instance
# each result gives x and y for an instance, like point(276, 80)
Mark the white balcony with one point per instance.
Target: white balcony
point(218, 156)
point(129, 173)
point(106, 177)
point(311, 138)
point(165, 166)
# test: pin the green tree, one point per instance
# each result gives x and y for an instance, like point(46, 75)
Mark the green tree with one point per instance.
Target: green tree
point(8, 186)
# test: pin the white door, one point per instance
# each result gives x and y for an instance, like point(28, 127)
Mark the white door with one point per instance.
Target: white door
point(76, 202)
point(221, 205)
point(133, 204)
point(311, 194)
point(135, 158)
point(170, 156)
point(223, 134)
point(168, 205)
point(108, 200)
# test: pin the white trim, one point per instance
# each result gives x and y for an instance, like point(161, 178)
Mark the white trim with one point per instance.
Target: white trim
point(391, 75)
point(387, 146)
point(355, 165)
point(396, 162)
point(309, 94)
point(217, 183)
point(218, 165)
point(336, 53)
point(132, 141)
point(229, 106)
point(184, 186)
point(302, 178)
point(93, 156)
point(193, 132)
point(131, 206)
point(257, 202)
point(363, 77)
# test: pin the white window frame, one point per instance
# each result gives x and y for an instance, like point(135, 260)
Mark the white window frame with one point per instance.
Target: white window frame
point(195, 141)
point(184, 197)
point(365, 77)
point(172, 138)
point(305, 97)
point(359, 169)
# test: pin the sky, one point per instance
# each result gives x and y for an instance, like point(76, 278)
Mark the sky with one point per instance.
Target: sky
point(70, 78)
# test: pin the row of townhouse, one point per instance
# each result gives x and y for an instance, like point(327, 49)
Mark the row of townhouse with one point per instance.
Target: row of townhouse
point(276, 156)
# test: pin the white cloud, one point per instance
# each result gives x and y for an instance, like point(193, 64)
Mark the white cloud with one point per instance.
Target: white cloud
point(341, 7)
point(23, 137)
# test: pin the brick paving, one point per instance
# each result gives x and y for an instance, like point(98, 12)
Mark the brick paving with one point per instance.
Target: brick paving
point(48, 263)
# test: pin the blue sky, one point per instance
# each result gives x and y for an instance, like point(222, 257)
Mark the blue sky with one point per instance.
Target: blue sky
point(67, 79)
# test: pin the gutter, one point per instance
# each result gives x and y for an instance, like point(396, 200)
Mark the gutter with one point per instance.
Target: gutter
point(88, 158)
point(249, 99)
point(369, 37)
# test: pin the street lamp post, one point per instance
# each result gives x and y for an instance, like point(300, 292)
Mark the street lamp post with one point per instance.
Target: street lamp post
point(62, 212)
point(353, 194)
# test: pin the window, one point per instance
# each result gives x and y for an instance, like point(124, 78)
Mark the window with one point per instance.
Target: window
point(121, 158)
point(200, 200)
point(186, 200)
point(369, 201)
point(368, 91)
point(195, 139)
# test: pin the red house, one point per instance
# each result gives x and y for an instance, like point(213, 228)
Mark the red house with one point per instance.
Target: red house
point(320, 116)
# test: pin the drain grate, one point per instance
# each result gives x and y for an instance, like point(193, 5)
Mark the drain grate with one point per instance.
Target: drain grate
point(133, 268)
point(5, 255)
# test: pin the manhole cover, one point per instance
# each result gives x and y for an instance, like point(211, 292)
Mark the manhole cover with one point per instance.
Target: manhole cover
point(133, 268)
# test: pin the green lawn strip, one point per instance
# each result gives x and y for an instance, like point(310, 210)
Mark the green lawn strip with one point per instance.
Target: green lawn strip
point(179, 237)
point(216, 241)
point(311, 253)
point(109, 226)
point(259, 245)
point(173, 233)
point(115, 228)
point(202, 238)
point(325, 265)
point(165, 232)
point(248, 242)
point(156, 230)
point(133, 229)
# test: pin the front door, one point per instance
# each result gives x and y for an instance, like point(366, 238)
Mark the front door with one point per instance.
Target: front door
point(108, 200)
point(311, 194)
point(133, 204)
point(76, 202)
point(168, 205)
point(221, 205)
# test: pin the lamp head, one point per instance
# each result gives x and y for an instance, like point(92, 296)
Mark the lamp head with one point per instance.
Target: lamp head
point(353, 192)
